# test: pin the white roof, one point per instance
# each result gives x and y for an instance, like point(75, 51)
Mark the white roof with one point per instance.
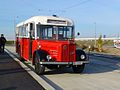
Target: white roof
point(44, 20)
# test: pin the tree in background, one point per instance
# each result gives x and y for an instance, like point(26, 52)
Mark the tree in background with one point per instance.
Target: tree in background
point(100, 43)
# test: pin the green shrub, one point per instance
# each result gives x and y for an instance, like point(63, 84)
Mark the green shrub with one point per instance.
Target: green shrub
point(100, 43)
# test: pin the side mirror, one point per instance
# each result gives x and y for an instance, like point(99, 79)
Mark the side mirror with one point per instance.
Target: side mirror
point(78, 33)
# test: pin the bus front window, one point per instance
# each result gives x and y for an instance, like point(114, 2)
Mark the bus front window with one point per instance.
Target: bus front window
point(65, 33)
point(55, 32)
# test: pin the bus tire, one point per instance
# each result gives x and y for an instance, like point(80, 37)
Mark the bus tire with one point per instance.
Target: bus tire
point(78, 68)
point(39, 69)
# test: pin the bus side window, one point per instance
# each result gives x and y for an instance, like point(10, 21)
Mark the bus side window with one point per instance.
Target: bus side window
point(32, 29)
point(26, 28)
point(31, 26)
point(24, 31)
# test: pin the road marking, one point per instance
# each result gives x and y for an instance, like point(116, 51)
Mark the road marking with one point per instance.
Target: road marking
point(33, 74)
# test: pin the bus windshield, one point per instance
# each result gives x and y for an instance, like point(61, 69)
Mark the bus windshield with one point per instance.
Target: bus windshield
point(55, 32)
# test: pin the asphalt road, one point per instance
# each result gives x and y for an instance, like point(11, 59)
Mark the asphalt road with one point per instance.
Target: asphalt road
point(103, 73)
point(14, 77)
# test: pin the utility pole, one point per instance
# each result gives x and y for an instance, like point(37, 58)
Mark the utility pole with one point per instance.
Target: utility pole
point(95, 34)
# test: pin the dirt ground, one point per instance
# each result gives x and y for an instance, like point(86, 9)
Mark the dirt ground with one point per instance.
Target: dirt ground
point(112, 51)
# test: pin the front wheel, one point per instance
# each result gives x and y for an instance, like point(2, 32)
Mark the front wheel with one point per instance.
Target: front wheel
point(39, 69)
point(78, 68)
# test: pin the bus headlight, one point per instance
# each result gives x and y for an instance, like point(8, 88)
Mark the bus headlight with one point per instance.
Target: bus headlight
point(82, 56)
point(39, 46)
point(48, 57)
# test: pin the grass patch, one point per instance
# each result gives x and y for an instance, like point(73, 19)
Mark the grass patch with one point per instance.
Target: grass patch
point(10, 42)
point(85, 45)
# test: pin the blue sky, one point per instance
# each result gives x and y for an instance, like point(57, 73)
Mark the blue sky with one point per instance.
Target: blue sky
point(106, 14)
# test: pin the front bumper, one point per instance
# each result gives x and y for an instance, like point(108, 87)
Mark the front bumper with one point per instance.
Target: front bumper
point(65, 63)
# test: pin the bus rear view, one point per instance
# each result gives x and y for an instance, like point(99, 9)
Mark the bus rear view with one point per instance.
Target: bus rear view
point(48, 41)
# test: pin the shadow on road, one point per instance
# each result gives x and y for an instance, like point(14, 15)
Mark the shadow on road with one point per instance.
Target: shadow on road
point(9, 88)
point(4, 56)
point(8, 66)
point(59, 71)
point(100, 69)
point(91, 68)
point(11, 71)
point(13, 76)
point(94, 67)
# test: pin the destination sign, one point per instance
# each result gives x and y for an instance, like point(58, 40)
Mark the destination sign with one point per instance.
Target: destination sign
point(56, 21)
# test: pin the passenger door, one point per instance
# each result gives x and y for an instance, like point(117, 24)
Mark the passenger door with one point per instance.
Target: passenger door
point(32, 35)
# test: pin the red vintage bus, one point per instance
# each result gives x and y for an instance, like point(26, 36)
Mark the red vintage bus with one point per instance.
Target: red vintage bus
point(48, 41)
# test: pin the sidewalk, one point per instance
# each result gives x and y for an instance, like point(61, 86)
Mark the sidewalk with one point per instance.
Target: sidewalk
point(14, 77)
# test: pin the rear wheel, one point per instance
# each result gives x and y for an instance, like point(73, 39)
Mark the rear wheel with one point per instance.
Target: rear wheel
point(39, 69)
point(78, 68)
point(19, 52)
